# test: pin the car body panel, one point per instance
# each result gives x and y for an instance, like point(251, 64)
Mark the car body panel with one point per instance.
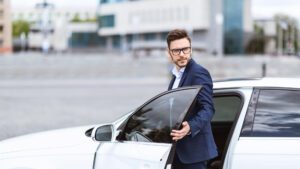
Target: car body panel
point(262, 82)
point(132, 155)
point(266, 153)
point(65, 148)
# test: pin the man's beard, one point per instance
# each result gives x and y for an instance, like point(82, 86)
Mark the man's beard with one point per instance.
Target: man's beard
point(177, 62)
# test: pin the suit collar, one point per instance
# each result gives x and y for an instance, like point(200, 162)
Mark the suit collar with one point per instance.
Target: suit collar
point(185, 73)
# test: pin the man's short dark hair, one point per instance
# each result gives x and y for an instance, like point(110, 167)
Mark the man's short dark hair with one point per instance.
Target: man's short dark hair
point(177, 34)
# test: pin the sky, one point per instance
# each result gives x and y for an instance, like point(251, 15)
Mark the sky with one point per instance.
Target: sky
point(261, 9)
point(267, 8)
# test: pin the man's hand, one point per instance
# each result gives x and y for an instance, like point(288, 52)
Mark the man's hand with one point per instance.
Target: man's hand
point(179, 134)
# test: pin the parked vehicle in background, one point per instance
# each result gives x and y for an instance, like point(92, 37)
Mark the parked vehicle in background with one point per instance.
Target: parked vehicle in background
point(256, 125)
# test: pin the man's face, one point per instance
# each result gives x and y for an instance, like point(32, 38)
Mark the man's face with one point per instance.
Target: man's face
point(180, 52)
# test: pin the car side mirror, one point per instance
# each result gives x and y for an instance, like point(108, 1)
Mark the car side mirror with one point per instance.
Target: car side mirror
point(103, 133)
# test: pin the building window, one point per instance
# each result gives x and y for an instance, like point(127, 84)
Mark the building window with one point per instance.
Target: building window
point(164, 35)
point(86, 40)
point(107, 21)
point(149, 36)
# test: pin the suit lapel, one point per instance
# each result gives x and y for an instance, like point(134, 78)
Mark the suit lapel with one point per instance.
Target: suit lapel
point(182, 78)
point(185, 73)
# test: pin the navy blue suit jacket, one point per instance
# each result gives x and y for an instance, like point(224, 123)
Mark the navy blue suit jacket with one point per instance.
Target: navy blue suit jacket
point(199, 145)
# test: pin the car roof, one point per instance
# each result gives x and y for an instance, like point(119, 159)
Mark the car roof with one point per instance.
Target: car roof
point(258, 82)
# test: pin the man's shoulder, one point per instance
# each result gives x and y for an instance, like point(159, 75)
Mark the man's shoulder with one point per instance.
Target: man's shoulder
point(197, 67)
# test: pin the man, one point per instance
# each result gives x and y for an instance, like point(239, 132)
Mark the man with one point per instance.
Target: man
point(195, 143)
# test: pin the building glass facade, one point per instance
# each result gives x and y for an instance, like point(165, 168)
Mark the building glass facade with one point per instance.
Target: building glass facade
point(233, 26)
point(86, 40)
point(107, 21)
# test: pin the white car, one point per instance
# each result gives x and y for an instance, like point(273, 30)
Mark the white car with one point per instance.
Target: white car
point(256, 126)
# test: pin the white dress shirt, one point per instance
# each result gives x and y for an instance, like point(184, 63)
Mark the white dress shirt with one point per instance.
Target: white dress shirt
point(178, 76)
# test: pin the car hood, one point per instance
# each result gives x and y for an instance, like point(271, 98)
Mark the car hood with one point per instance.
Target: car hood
point(54, 139)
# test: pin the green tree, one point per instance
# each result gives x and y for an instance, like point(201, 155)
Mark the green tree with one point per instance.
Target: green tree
point(19, 27)
point(76, 18)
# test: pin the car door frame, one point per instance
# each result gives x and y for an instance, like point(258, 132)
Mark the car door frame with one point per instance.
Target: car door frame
point(181, 117)
point(233, 136)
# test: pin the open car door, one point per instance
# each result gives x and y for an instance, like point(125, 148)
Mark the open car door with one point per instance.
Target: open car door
point(144, 141)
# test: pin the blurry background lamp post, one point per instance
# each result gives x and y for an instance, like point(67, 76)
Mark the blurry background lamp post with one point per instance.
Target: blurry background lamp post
point(45, 23)
point(219, 34)
point(23, 41)
point(216, 28)
point(124, 45)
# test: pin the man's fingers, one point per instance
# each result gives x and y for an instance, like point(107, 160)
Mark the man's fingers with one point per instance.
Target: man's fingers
point(177, 131)
point(176, 138)
point(175, 134)
point(179, 134)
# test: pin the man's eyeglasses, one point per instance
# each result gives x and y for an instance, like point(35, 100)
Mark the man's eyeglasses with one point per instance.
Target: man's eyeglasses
point(185, 50)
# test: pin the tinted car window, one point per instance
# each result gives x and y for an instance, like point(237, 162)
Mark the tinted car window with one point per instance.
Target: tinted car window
point(154, 121)
point(277, 114)
point(226, 107)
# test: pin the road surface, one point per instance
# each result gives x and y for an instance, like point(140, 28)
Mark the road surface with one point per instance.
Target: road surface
point(38, 105)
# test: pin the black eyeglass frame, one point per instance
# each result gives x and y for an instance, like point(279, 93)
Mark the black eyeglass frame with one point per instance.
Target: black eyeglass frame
point(185, 50)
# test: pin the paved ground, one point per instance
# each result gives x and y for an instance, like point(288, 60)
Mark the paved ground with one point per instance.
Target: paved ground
point(37, 105)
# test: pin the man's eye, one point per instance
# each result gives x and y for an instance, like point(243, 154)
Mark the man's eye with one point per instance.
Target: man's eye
point(176, 50)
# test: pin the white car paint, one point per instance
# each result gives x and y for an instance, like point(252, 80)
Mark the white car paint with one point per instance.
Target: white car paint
point(266, 153)
point(132, 155)
point(46, 150)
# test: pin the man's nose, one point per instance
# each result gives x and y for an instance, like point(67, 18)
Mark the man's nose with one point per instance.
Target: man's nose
point(181, 53)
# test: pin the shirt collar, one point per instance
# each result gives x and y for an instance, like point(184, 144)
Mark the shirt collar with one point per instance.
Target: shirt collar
point(177, 73)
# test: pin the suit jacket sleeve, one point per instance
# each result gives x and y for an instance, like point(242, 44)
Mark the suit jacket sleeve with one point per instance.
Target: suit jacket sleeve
point(204, 105)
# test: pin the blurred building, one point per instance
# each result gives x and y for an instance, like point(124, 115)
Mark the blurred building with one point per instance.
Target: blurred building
point(266, 32)
point(68, 13)
point(279, 35)
point(61, 28)
point(215, 26)
point(238, 25)
point(5, 27)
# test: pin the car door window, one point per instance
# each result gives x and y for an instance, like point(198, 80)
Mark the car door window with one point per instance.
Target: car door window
point(226, 107)
point(154, 121)
point(277, 114)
